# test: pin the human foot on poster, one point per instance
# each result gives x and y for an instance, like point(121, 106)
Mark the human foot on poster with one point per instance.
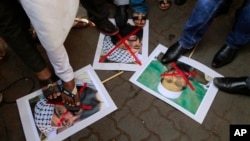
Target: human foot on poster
point(186, 84)
point(125, 51)
point(42, 120)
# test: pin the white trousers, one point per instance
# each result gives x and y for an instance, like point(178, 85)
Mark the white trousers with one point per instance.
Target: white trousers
point(52, 21)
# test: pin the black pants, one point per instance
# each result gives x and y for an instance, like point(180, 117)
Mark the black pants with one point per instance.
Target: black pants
point(14, 26)
point(97, 9)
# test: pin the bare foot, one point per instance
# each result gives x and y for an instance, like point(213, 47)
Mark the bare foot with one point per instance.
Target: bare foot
point(71, 87)
point(49, 85)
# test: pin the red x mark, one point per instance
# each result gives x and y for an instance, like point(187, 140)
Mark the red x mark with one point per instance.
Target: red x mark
point(122, 41)
point(182, 74)
point(84, 107)
point(59, 124)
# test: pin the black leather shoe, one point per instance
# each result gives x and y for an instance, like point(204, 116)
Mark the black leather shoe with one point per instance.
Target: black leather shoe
point(173, 53)
point(106, 27)
point(224, 56)
point(233, 85)
point(121, 15)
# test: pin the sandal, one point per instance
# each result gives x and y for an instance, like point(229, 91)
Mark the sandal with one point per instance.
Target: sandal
point(82, 22)
point(164, 4)
point(121, 15)
point(71, 95)
point(139, 19)
point(49, 88)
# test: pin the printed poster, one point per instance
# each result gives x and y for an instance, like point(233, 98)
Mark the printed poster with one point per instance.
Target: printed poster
point(125, 51)
point(186, 84)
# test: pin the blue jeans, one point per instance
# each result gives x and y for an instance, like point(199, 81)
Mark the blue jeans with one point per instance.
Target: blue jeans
point(202, 16)
point(139, 6)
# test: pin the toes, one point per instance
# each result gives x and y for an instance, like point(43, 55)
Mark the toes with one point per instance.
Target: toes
point(50, 97)
point(58, 94)
point(77, 100)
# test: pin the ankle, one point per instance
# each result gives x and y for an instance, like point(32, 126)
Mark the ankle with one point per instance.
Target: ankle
point(70, 86)
point(44, 74)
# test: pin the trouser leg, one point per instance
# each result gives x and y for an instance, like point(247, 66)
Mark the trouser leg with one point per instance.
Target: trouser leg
point(96, 9)
point(14, 26)
point(200, 19)
point(240, 34)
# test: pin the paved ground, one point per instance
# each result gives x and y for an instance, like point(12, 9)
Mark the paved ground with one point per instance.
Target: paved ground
point(140, 116)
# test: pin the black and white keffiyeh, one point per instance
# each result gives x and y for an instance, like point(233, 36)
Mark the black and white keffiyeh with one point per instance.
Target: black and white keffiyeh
point(118, 55)
point(43, 116)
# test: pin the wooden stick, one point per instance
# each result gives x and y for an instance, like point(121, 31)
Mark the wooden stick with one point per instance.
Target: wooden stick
point(191, 54)
point(113, 76)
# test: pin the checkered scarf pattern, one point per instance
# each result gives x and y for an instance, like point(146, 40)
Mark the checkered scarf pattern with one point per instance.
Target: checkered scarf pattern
point(43, 116)
point(118, 55)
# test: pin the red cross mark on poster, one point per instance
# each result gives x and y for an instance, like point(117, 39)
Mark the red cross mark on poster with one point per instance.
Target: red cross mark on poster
point(63, 117)
point(84, 107)
point(181, 73)
point(123, 41)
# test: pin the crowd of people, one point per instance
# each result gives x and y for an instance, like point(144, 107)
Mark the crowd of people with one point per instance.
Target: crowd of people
point(16, 17)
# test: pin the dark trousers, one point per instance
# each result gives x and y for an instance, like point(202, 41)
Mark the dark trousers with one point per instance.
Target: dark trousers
point(97, 9)
point(14, 28)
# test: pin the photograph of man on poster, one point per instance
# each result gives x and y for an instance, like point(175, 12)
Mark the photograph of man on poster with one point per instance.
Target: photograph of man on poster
point(53, 118)
point(43, 119)
point(126, 50)
point(184, 84)
point(177, 81)
point(129, 46)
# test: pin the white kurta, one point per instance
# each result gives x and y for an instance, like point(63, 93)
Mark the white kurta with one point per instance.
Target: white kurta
point(52, 21)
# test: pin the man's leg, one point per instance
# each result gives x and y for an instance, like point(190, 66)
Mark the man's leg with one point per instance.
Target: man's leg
point(98, 13)
point(200, 19)
point(44, 16)
point(14, 26)
point(239, 36)
point(194, 29)
point(121, 13)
